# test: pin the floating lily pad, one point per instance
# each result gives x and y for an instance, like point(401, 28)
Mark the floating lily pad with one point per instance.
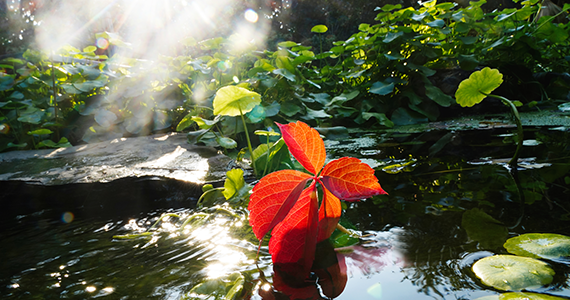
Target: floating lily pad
point(540, 245)
point(513, 273)
point(528, 296)
point(520, 296)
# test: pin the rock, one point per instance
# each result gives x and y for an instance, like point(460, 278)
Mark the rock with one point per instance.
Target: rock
point(163, 155)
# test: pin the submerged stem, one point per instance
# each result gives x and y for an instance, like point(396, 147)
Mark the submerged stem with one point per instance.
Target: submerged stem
point(520, 132)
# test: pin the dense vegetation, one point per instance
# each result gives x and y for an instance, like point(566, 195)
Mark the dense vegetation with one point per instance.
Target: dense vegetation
point(403, 68)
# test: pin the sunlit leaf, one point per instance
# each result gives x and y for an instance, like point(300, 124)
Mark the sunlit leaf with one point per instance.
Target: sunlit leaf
point(305, 144)
point(40, 131)
point(319, 29)
point(233, 101)
point(105, 118)
point(272, 199)
point(540, 245)
point(350, 179)
point(185, 122)
point(235, 187)
point(481, 83)
point(329, 214)
point(294, 241)
point(527, 296)
point(513, 273)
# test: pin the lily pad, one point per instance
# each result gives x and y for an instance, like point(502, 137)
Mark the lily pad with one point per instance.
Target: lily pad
point(540, 245)
point(520, 296)
point(513, 273)
point(528, 296)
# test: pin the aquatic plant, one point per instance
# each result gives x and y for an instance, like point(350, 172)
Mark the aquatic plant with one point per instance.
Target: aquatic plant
point(280, 201)
point(477, 87)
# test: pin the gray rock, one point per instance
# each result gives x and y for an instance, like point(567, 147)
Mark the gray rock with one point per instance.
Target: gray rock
point(162, 155)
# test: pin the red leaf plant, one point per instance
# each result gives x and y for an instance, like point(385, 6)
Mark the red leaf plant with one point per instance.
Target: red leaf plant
point(281, 203)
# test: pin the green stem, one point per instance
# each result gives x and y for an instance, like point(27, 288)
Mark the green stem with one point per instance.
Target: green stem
point(520, 132)
point(54, 98)
point(248, 141)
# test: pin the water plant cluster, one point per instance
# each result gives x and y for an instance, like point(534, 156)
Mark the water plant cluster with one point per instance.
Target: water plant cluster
point(403, 69)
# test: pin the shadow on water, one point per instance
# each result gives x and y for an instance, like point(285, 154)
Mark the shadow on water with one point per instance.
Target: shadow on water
point(452, 200)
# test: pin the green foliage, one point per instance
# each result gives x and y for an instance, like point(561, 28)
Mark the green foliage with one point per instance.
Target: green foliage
point(391, 72)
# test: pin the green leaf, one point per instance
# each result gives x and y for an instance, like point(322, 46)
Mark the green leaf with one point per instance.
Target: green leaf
point(90, 49)
point(267, 161)
point(482, 228)
point(226, 142)
point(436, 23)
point(266, 133)
point(319, 29)
point(185, 122)
point(382, 88)
point(513, 273)
point(235, 188)
point(289, 108)
point(31, 115)
point(481, 83)
point(285, 73)
point(287, 44)
point(526, 296)
point(439, 97)
point(233, 101)
point(40, 131)
point(540, 245)
point(205, 123)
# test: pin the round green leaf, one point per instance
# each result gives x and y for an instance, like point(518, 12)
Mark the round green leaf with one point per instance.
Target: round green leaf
point(319, 29)
point(233, 101)
point(527, 296)
point(40, 131)
point(513, 273)
point(540, 245)
point(226, 142)
point(481, 83)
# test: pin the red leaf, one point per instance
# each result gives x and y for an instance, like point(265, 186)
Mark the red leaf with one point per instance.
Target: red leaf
point(350, 179)
point(305, 144)
point(293, 241)
point(329, 214)
point(272, 199)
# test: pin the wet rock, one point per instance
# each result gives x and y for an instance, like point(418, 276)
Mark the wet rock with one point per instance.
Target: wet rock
point(164, 155)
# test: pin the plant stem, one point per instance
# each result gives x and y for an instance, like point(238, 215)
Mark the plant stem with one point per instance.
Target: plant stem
point(248, 141)
point(54, 98)
point(520, 132)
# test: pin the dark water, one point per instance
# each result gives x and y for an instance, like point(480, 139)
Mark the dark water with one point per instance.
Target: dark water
point(417, 244)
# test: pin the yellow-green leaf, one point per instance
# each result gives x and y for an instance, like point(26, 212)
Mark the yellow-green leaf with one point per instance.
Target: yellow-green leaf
point(233, 101)
point(481, 83)
point(319, 29)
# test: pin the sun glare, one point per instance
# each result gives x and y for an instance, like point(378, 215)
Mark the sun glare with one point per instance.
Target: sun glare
point(151, 27)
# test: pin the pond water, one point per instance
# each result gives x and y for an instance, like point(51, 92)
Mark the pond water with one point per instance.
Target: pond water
point(451, 194)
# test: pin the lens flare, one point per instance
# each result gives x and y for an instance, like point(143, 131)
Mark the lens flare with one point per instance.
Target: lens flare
point(251, 16)
point(67, 217)
point(102, 43)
